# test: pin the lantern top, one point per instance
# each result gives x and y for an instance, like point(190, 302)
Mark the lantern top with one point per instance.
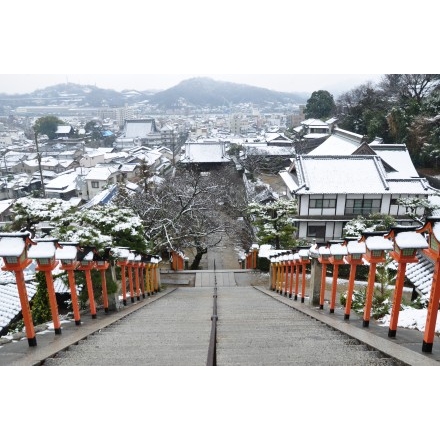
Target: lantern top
point(67, 252)
point(304, 253)
point(378, 243)
point(338, 249)
point(12, 246)
point(411, 240)
point(324, 250)
point(356, 247)
point(43, 249)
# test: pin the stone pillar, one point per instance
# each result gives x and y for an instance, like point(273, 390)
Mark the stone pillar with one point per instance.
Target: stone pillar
point(315, 281)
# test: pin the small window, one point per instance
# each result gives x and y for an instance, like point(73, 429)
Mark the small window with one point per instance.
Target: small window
point(95, 184)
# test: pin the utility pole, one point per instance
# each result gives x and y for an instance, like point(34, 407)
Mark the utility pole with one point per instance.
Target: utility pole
point(39, 165)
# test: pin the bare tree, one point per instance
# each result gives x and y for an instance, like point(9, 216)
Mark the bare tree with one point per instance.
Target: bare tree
point(190, 210)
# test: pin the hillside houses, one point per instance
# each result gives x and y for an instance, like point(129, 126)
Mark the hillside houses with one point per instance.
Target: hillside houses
point(345, 177)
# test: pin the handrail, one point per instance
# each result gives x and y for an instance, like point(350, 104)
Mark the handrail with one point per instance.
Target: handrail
point(212, 357)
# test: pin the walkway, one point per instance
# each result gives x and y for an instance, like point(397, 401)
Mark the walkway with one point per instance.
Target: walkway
point(255, 327)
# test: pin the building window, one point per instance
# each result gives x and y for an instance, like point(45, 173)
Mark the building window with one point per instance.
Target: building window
point(95, 184)
point(362, 206)
point(316, 231)
point(322, 203)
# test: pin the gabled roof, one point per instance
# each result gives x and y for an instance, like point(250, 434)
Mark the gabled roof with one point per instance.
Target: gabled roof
point(139, 128)
point(101, 173)
point(350, 175)
point(205, 153)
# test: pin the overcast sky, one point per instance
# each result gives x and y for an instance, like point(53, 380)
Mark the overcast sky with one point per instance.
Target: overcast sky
point(334, 83)
point(270, 46)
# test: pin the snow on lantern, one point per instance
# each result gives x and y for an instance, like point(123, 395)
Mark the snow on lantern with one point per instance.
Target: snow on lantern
point(324, 259)
point(376, 246)
point(67, 255)
point(406, 243)
point(14, 249)
point(337, 254)
point(122, 254)
point(432, 227)
point(356, 250)
point(43, 250)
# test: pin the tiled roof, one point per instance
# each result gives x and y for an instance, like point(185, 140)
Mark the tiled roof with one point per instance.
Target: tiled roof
point(10, 306)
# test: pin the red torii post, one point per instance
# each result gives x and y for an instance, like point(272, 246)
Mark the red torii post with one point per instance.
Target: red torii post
point(432, 227)
point(122, 255)
point(273, 272)
point(406, 244)
point(254, 253)
point(287, 266)
point(67, 254)
point(337, 252)
point(304, 260)
point(355, 251)
point(297, 260)
point(102, 263)
point(13, 250)
point(136, 267)
point(130, 265)
point(292, 273)
point(324, 259)
point(86, 264)
point(376, 245)
point(43, 250)
point(142, 274)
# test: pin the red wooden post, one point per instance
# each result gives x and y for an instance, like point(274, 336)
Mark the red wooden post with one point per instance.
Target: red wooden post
point(43, 251)
point(355, 251)
point(86, 264)
point(67, 255)
point(130, 265)
point(337, 253)
point(292, 273)
point(432, 227)
point(13, 249)
point(376, 245)
point(406, 243)
point(297, 265)
point(304, 261)
point(324, 255)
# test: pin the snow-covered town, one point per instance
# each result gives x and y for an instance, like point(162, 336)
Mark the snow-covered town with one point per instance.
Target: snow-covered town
point(81, 179)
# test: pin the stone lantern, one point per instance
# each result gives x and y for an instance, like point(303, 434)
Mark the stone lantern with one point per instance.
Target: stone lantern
point(406, 244)
point(356, 250)
point(43, 251)
point(86, 264)
point(66, 253)
point(432, 228)
point(337, 253)
point(376, 245)
point(14, 251)
point(324, 259)
point(122, 254)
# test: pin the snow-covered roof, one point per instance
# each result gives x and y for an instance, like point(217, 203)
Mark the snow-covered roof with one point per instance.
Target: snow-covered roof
point(10, 305)
point(410, 240)
point(338, 249)
point(11, 246)
point(351, 175)
point(63, 129)
point(266, 150)
point(66, 252)
point(205, 153)
point(356, 247)
point(42, 249)
point(101, 173)
point(140, 128)
point(378, 243)
point(398, 157)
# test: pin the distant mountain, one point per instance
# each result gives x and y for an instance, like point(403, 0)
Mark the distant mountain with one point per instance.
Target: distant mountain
point(74, 94)
point(209, 92)
point(199, 92)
